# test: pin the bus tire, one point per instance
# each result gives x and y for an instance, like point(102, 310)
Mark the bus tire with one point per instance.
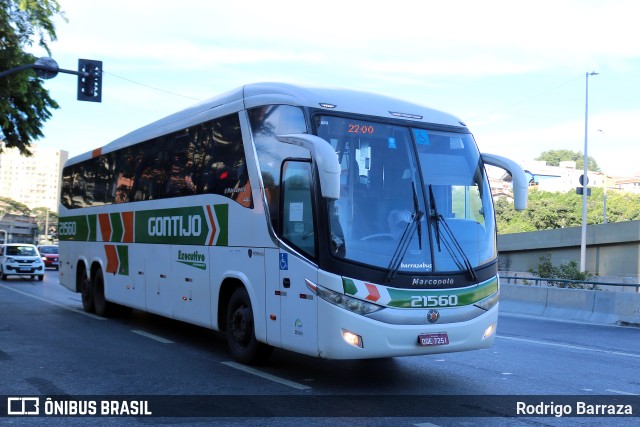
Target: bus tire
point(86, 289)
point(241, 337)
point(102, 306)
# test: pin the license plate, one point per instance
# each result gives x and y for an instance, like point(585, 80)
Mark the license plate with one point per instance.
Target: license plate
point(24, 270)
point(433, 339)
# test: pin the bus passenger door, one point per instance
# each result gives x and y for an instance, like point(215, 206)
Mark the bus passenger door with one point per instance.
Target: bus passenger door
point(298, 304)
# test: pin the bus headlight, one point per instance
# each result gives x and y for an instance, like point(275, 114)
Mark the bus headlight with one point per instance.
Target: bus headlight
point(344, 301)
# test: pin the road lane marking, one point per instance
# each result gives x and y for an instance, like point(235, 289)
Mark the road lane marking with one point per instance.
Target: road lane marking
point(266, 376)
point(75, 310)
point(626, 393)
point(152, 336)
point(571, 346)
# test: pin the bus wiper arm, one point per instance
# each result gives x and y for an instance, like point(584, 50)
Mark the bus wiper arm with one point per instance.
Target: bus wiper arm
point(435, 216)
point(451, 243)
point(416, 209)
point(405, 239)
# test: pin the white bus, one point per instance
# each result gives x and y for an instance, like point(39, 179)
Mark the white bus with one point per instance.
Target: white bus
point(328, 222)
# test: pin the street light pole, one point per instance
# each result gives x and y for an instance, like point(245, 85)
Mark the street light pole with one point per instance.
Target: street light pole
point(583, 240)
point(604, 208)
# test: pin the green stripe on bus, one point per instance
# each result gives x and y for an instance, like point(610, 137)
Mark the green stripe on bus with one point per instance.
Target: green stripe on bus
point(74, 228)
point(123, 259)
point(180, 226)
point(420, 298)
point(222, 214)
point(92, 221)
point(349, 287)
point(117, 229)
point(401, 298)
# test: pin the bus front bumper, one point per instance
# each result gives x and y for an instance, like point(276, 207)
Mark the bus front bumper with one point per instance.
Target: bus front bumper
point(346, 335)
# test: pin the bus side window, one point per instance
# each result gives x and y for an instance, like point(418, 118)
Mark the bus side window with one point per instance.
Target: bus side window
point(297, 221)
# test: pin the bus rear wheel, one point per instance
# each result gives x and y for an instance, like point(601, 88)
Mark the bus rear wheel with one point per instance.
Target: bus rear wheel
point(103, 307)
point(241, 330)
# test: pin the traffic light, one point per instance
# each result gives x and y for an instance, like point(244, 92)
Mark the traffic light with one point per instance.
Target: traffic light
point(89, 80)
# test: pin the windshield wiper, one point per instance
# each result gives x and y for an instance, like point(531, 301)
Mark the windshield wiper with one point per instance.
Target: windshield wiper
point(451, 243)
point(405, 239)
point(416, 208)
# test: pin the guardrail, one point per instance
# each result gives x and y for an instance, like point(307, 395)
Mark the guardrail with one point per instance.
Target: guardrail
point(537, 282)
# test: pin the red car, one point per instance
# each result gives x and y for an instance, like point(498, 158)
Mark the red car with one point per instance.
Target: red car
point(50, 256)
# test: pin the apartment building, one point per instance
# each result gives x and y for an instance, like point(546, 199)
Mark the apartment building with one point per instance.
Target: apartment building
point(34, 180)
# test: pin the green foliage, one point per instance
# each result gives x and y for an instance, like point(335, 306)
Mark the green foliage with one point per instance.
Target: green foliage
point(24, 103)
point(41, 215)
point(554, 157)
point(567, 271)
point(550, 210)
point(10, 206)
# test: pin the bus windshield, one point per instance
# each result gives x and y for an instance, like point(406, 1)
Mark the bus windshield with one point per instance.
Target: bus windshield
point(412, 200)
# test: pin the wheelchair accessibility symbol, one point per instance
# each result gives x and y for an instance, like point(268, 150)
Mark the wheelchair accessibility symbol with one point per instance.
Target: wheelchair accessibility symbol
point(284, 261)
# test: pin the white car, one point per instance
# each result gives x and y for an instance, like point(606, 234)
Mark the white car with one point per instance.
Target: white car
point(20, 259)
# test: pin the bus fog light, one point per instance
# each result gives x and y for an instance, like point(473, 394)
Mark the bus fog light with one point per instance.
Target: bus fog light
point(489, 331)
point(351, 338)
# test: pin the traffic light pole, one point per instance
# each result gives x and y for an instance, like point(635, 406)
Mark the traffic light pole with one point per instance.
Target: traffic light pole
point(16, 69)
point(89, 75)
point(39, 67)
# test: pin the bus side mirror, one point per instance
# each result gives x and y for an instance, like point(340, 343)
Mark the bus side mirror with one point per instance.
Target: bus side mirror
point(325, 158)
point(519, 178)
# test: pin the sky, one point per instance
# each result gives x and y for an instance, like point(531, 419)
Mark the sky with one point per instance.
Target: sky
point(514, 72)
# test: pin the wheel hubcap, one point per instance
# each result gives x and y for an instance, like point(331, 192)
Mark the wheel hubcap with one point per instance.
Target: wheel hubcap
point(239, 326)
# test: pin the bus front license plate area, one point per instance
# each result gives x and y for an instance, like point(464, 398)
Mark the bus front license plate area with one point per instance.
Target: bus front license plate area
point(433, 339)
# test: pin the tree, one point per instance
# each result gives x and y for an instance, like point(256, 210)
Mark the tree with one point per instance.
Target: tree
point(10, 206)
point(47, 220)
point(554, 157)
point(566, 271)
point(24, 103)
point(548, 210)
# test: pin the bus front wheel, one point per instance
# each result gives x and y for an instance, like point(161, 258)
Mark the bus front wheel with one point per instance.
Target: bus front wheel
point(86, 289)
point(241, 330)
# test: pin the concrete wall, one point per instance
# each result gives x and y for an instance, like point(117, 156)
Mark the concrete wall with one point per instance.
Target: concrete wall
point(613, 250)
point(573, 304)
